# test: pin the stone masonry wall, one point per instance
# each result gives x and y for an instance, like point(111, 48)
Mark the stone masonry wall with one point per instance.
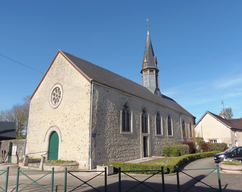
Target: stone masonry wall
point(5, 150)
point(70, 119)
point(110, 144)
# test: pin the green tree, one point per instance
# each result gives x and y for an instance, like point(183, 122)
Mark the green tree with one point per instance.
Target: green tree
point(228, 113)
point(18, 114)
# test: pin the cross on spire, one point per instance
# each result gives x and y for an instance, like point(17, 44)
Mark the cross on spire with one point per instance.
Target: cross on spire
point(147, 24)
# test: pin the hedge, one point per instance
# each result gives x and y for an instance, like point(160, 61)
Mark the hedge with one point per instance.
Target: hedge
point(206, 147)
point(175, 150)
point(170, 168)
point(218, 146)
point(179, 161)
point(140, 168)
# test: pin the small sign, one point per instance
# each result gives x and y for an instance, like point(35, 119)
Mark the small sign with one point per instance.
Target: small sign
point(94, 135)
point(14, 150)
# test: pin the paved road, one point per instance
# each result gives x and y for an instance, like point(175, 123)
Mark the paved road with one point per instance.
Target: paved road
point(230, 182)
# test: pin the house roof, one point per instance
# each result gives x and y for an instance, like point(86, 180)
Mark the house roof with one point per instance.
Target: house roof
point(7, 130)
point(230, 123)
point(103, 76)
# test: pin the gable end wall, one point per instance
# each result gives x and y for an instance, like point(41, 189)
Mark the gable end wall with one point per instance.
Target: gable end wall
point(71, 119)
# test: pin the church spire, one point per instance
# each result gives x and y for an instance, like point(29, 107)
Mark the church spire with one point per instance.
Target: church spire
point(149, 68)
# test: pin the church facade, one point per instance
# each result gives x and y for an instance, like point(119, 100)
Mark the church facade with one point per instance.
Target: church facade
point(83, 112)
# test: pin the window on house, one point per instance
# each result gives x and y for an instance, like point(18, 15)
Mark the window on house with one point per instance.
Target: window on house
point(169, 125)
point(183, 129)
point(126, 118)
point(144, 121)
point(158, 124)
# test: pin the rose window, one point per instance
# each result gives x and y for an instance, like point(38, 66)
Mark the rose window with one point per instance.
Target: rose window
point(56, 96)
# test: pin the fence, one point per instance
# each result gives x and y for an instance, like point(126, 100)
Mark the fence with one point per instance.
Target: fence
point(6, 178)
point(141, 182)
point(198, 180)
point(85, 182)
point(115, 186)
point(34, 181)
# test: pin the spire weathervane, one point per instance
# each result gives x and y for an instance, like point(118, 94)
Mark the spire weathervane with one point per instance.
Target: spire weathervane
point(147, 24)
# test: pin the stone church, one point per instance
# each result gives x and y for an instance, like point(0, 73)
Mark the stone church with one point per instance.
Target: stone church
point(83, 112)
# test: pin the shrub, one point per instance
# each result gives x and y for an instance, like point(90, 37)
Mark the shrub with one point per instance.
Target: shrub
point(170, 168)
point(199, 141)
point(232, 162)
point(191, 146)
point(137, 168)
point(183, 149)
point(175, 150)
point(179, 161)
point(60, 161)
point(167, 151)
point(205, 147)
point(218, 146)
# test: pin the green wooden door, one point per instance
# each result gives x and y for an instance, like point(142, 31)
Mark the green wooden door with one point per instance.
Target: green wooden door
point(53, 146)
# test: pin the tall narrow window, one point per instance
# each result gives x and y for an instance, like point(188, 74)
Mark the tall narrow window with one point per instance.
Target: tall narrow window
point(144, 121)
point(158, 124)
point(126, 118)
point(190, 129)
point(183, 129)
point(169, 125)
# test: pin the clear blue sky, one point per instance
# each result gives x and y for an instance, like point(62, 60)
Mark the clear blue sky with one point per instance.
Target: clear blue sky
point(205, 36)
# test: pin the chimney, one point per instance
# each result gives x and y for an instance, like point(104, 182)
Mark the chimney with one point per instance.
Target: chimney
point(221, 114)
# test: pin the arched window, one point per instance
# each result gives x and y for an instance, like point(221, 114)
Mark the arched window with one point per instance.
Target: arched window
point(169, 125)
point(144, 121)
point(158, 124)
point(126, 118)
point(183, 129)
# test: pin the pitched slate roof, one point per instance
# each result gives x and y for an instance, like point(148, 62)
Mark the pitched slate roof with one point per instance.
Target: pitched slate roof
point(230, 123)
point(103, 76)
point(7, 130)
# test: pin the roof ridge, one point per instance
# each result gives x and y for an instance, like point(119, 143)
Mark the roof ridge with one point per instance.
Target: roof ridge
point(111, 79)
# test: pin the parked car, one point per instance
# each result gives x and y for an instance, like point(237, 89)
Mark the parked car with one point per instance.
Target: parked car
point(234, 153)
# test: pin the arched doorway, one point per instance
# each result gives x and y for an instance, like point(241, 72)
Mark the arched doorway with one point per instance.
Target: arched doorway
point(53, 146)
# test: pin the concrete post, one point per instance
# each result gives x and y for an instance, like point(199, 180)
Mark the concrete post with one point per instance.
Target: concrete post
point(41, 166)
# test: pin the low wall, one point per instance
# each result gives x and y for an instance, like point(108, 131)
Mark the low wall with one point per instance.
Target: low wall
point(60, 166)
point(230, 168)
point(15, 155)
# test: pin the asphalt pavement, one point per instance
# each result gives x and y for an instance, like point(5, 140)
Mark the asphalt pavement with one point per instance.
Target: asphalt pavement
point(229, 182)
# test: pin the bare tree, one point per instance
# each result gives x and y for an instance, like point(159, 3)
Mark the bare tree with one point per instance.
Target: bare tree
point(18, 114)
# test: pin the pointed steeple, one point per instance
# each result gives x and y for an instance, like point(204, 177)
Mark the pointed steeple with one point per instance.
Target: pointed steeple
point(150, 60)
point(150, 70)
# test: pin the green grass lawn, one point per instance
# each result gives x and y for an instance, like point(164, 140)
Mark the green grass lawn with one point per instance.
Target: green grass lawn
point(164, 161)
